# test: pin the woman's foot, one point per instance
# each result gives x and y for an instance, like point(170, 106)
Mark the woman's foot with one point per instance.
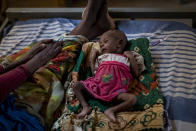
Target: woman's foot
point(95, 20)
point(86, 110)
point(110, 114)
point(105, 21)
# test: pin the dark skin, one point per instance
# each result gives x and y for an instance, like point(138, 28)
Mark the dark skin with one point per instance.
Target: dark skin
point(39, 55)
point(95, 21)
point(112, 41)
point(111, 44)
point(41, 58)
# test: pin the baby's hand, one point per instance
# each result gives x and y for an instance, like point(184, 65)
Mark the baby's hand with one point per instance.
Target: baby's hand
point(75, 76)
point(134, 66)
point(129, 54)
point(94, 54)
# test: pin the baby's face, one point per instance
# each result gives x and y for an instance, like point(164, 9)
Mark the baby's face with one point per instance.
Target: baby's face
point(110, 42)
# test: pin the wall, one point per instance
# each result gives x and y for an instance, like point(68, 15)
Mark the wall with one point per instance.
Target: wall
point(3, 7)
point(42, 3)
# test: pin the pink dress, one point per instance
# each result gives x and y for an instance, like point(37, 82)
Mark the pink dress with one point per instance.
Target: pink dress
point(112, 77)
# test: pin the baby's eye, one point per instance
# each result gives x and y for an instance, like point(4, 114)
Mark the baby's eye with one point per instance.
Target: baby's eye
point(105, 41)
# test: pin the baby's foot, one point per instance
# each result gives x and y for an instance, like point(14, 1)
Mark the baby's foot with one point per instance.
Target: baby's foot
point(110, 114)
point(86, 110)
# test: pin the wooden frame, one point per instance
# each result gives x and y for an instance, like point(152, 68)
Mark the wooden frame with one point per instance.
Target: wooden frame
point(14, 14)
point(75, 13)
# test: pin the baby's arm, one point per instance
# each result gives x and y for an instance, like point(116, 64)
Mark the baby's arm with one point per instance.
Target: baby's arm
point(93, 56)
point(133, 64)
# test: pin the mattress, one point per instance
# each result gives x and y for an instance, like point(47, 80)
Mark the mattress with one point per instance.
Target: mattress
point(173, 48)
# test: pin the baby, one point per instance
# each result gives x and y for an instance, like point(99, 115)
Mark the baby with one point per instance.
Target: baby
point(112, 75)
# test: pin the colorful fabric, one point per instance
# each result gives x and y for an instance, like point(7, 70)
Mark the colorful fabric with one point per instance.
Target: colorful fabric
point(112, 77)
point(44, 92)
point(146, 114)
point(11, 80)
point(13, 118)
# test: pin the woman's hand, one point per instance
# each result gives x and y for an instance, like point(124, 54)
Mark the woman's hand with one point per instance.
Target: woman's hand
point(44, 56)
point(34, 50)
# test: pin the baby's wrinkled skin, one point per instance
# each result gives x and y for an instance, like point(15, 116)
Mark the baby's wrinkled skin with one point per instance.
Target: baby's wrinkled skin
point(113, 41)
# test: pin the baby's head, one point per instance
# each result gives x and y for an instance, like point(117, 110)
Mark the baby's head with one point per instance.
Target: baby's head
point(113, 41)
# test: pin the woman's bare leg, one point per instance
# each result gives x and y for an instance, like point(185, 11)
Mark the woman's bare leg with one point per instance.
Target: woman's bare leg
point(95, 21)
point(103, 15)
point(127, 100)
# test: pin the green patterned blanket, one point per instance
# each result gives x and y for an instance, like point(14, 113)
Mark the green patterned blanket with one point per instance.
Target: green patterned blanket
point(147, 114)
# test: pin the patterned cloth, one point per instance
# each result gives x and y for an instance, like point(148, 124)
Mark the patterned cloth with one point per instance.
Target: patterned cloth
point(13, 118)
point(112, 77)
point(146, 114)
point(44, 92)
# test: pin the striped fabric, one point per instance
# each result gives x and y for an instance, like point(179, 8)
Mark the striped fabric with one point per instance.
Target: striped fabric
point(173, 48)
point(26, 32)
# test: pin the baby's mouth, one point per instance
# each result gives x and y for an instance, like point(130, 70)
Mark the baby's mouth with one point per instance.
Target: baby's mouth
point(103, 50)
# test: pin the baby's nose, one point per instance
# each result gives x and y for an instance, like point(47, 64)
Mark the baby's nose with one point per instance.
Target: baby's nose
point(101, 45)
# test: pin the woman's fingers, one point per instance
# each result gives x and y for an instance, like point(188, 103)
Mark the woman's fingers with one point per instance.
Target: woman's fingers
point(52, 50)
point(58, 49)
point(44, 56)
point(57, 44)
point(47, 41)
point(37, 48)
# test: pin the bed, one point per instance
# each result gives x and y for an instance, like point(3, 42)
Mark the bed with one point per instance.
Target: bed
point(172, 45)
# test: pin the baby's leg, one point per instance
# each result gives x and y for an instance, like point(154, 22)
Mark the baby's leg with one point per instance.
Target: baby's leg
point(126, 101)
point(79, 90)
